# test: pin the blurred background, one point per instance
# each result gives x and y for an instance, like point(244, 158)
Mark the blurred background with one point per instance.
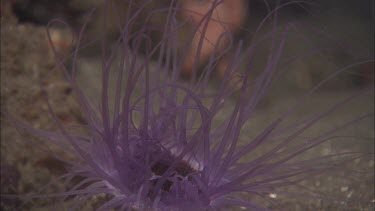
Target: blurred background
point(344, 28)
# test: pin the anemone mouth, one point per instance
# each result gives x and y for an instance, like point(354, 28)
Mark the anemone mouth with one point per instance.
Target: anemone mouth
point(181, 169)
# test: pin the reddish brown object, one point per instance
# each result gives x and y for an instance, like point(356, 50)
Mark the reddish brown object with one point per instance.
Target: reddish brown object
point(228, 16)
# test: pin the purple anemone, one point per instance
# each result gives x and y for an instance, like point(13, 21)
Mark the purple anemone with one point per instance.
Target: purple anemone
point(162, 144)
